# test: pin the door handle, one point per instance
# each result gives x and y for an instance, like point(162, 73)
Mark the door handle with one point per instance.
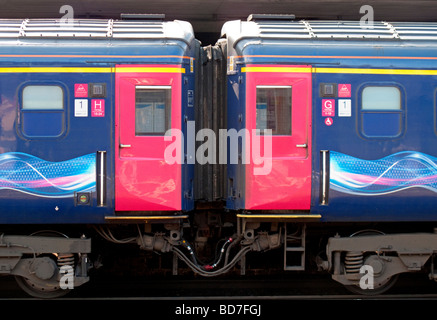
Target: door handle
point(304, 145)
point(125, 145)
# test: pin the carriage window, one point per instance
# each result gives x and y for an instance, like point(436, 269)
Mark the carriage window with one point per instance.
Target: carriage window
point(152, 110)
point(381, 98)
point(381, 111)
point(42, 111)
point(43, 98)
point(273, 109)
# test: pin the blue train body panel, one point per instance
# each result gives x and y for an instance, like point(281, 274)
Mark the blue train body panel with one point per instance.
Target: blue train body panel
point(47, 156)
point(380, 160)
point(380, 168)
point(57, 159)
point(371, 121)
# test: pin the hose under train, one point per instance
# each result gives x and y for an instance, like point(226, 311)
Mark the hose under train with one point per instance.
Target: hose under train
point(201, 270)
point(159, 242)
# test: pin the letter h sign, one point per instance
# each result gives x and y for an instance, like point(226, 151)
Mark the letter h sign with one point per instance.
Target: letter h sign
point(97, 107)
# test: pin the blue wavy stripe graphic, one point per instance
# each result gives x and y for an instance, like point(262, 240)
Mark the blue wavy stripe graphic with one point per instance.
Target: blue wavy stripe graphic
point(28, 174)
point(393, 173)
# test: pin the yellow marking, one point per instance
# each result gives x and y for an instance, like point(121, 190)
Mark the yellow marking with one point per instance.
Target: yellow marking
point(55, 70)
point(116, 218)
point(90, 69)
point(150, 69)
point(277, 69)
point(339, 70)
point(375, 71)
point(279, 216)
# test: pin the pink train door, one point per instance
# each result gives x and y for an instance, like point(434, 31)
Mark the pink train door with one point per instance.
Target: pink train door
point(148, 103)
point(279, 98)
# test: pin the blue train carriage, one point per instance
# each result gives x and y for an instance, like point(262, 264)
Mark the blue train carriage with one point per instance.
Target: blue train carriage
point(84, 109)
point(352, 114)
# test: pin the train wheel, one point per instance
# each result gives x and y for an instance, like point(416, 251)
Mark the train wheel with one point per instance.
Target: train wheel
point(356, 260)
point(43, 283)
point(40, 289)
point(382, 288)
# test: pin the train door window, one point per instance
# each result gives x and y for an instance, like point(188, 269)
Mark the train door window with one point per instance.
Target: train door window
point(42, 111)
point(381, 111)
point(273, 109)
point(152, 110)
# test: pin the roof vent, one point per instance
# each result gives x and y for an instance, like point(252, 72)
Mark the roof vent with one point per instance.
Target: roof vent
point(270, 17)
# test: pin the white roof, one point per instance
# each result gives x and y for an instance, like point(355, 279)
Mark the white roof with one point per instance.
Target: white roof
point(336, 30)
point(95, 28)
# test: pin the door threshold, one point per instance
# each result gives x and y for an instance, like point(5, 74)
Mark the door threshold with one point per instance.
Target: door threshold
point(144, 219)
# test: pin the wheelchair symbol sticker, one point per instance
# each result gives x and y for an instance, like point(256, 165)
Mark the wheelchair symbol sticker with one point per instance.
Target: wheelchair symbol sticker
point(329, 121)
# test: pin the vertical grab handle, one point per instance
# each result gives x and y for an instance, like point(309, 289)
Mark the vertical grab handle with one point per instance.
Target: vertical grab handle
point(324, 179)
point(101, 178)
